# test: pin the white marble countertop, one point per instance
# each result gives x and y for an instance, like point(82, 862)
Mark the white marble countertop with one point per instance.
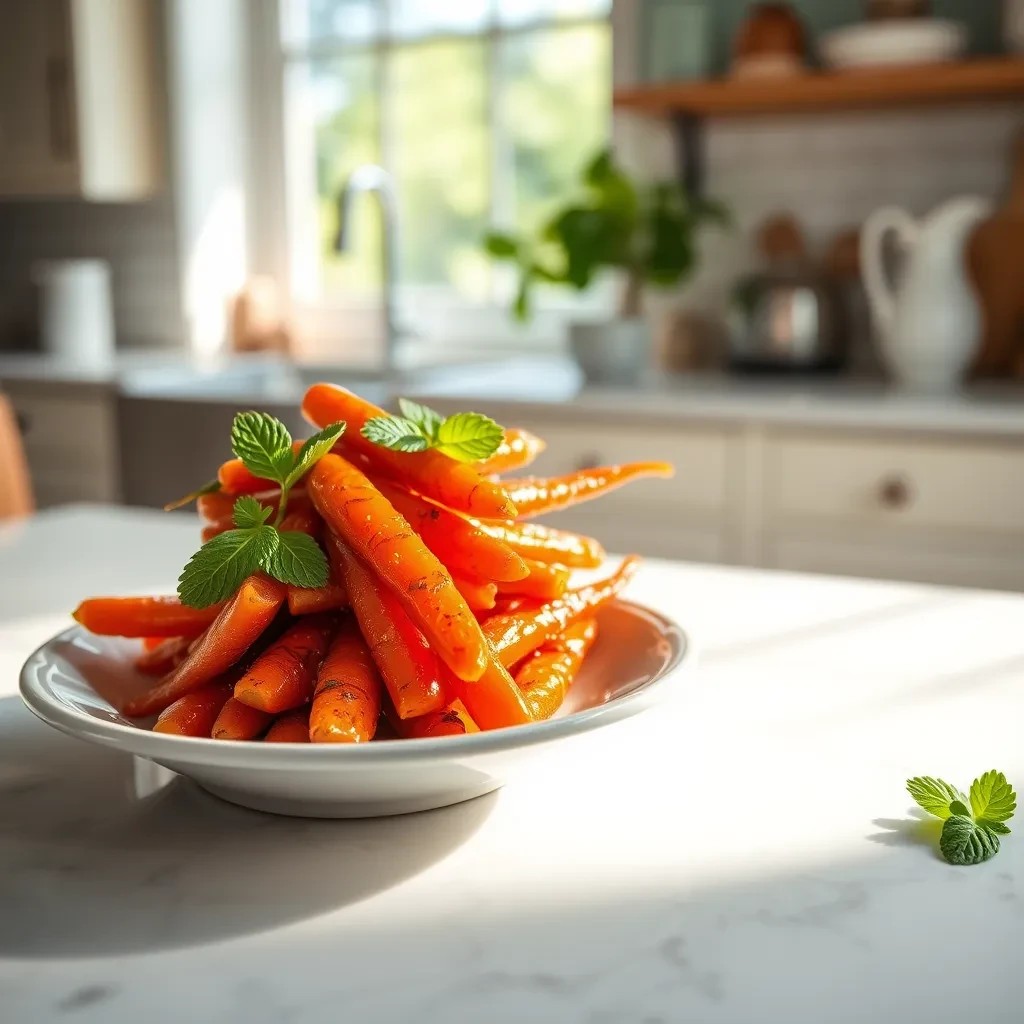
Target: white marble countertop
point(744, 853)
point(529, 387)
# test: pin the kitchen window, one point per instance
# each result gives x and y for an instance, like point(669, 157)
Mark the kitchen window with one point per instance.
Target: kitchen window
point(482, 112)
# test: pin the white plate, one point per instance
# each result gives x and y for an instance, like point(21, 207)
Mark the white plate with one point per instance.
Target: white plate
point(893, 43)
point(76, 681)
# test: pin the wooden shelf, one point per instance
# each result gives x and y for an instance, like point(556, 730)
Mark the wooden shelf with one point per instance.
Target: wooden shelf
point(990, 78)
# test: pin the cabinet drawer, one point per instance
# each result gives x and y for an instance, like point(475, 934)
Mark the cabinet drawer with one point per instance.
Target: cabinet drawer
point(917, 484)
point(67, 433)
point(701, 458)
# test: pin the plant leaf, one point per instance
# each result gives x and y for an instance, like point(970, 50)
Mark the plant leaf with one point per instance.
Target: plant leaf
point(396, 433)
point(217, 569)
point(314, 449)
point(469, 436)
point(501, 245)
point(994, 826)
point(249, 514)
point(992, 797)
point(933, 795)
point(959, 807)
point(297, 559)
point(423, 416)
point(965, 842)
point(210, 487)
point(263, 444)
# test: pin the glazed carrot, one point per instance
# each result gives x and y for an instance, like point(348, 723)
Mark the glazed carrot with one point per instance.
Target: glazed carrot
point(518, 449)
point(282, 677)
point(545, 582)
point(460, 545)
point(235, 479)
point(533, 496)
point(291, 727)
point(238, 624)
point(479, 596)
point(310, 600)
point(167, 655)
point(458, 485)
point(454, 720)
point(365, 520)
point(346, 703)
point(514, 636)
point(301, 518)
point(217, 506)
point(151, 643)
point(238, 721)
point(494, 700)
point(547, 674)
point(545, 543)
point(143, 616)
point(411, 671)
point(218, 509)
point(194, 713)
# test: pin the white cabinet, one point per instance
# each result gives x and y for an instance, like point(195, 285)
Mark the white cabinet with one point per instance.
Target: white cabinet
point(79, 114)
point(71, 442)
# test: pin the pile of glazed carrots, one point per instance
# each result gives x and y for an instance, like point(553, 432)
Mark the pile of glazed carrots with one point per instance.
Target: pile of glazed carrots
point(448, 610)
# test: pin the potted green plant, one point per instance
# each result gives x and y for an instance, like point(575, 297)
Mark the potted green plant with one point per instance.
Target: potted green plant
point(646, 233)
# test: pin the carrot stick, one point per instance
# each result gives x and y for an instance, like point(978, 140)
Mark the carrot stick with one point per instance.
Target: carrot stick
point(282, 677)
point(533, 496)
point(453, 720)
point(238, 721)
point(479, 596)
point(361, 516)
point(310, 600)
point(457, 485)
point(236, 480)
point(193, 714)
point(151, 643)
point(494, 700)
point(291, 727)
point(545, 582)
point(143, 616)
point(514, 636)
point(545, 543)
point(167, 655)
point(518, 449)
point(238, 624)
point(546, 675)
point(346, 703)
point(460, 545)
point(411, 671)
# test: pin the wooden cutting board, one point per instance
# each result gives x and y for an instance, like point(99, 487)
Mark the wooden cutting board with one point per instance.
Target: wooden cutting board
point(995, 261)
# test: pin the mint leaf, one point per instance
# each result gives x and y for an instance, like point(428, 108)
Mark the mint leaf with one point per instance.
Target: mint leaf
point(248, 513)
point(469, 436)
point(313, 450)
point(934, 795)
point(425, 418)
point(218, 568)
point(400, 435)
point(959, 807)
point(297, 559)
point(995, 826)
point(992, 798)
point(963, 841)
point(263, 444)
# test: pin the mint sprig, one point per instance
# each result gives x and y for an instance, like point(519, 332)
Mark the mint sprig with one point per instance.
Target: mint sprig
point(463, 436)
point(218, 568)
point(970, 835)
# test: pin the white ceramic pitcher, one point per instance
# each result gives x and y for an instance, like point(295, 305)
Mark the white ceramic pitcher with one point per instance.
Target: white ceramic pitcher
point(927, 319)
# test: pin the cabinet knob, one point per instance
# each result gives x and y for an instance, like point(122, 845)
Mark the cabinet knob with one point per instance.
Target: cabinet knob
point(895, 492)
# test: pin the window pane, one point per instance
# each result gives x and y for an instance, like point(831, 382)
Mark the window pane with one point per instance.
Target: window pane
point(520, 12)
point(331, 121)
point(421, 17)
point(556, 98)
point(441, 163)
point(310, 21)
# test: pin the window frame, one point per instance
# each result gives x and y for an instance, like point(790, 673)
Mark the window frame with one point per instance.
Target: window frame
point(350, 327)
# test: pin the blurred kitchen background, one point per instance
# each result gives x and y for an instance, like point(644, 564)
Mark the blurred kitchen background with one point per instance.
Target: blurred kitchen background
point(779, 244)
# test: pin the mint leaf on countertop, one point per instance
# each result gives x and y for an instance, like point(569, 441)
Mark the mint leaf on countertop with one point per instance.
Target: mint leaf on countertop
point(933, 795)
point(964, 841)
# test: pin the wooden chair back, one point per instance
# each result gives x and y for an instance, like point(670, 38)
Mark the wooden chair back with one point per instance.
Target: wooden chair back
point(15, 484)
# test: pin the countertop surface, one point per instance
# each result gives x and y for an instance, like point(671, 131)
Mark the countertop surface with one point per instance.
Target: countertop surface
point(746, 852)
point(531, 387)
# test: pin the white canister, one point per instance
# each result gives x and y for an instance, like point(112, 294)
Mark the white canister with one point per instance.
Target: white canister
point(1013, 25)
point(76, 316)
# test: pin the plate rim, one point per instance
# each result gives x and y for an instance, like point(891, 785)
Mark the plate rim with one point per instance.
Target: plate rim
point(162, 747)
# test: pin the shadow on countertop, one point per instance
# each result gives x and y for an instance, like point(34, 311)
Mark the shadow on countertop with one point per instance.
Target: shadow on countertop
point(92, 864)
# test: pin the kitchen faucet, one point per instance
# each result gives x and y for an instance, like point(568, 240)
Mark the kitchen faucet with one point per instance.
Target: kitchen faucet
point(371, 178)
